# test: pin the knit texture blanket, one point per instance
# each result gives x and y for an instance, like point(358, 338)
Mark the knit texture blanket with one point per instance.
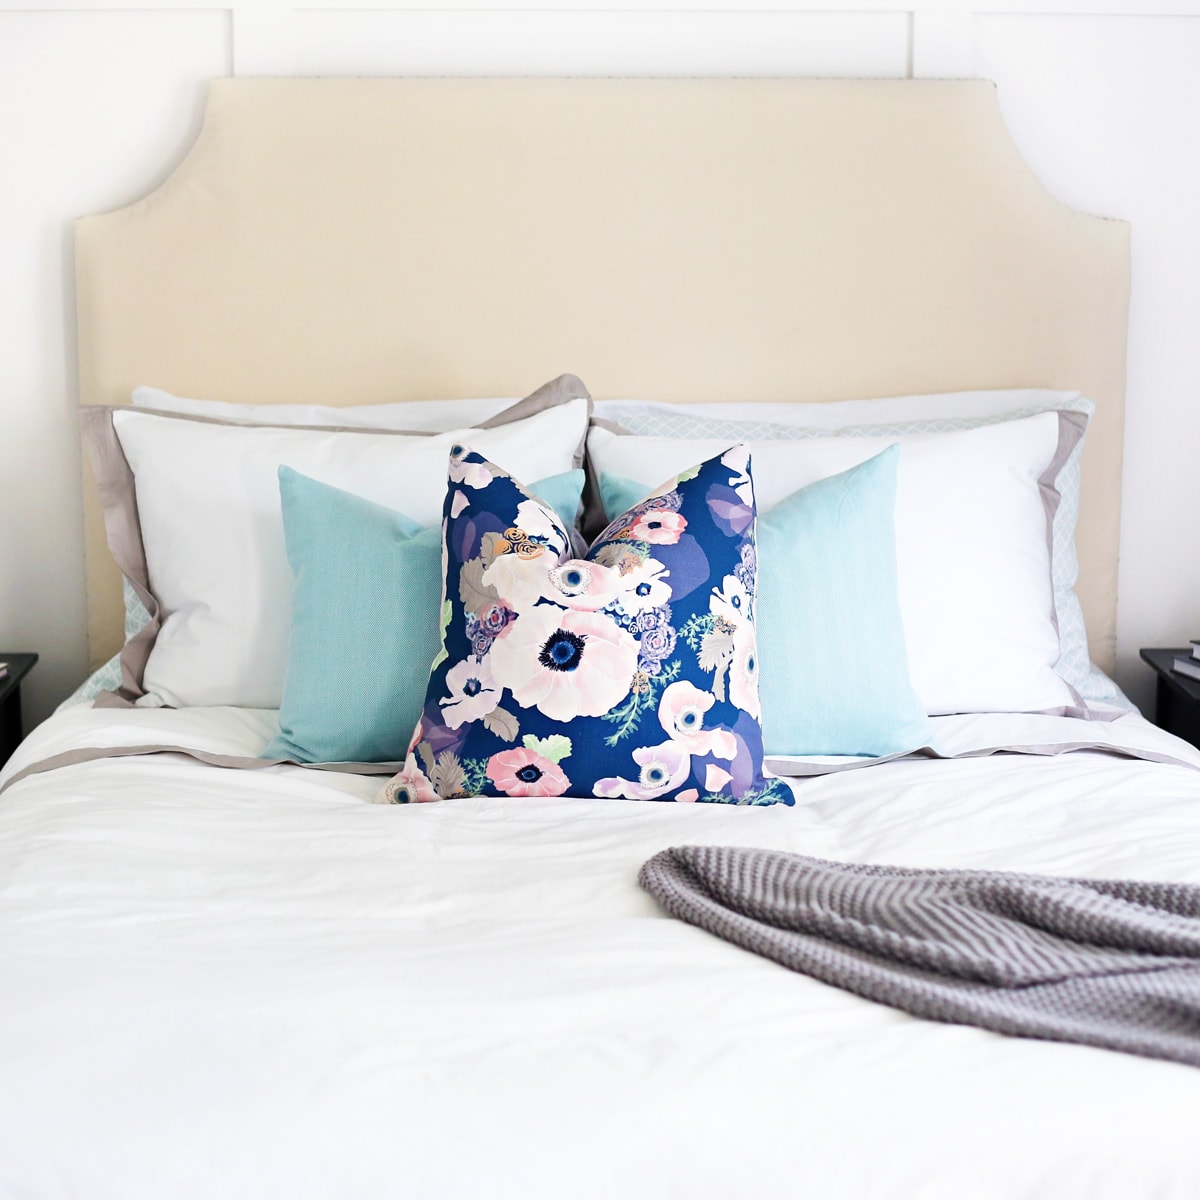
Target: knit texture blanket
point(1110, 963)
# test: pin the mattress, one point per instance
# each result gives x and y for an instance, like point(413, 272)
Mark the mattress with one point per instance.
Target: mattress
point(222, 983)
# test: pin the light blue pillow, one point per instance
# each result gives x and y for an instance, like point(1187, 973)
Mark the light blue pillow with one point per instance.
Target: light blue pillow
point(833, 672)
point(365, 620)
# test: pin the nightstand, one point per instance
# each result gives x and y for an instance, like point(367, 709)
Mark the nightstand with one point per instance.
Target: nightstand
point(1176, 697)
point(11, 731)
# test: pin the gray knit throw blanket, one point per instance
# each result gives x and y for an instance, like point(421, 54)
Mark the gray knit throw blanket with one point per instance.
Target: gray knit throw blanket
point(1105, 963)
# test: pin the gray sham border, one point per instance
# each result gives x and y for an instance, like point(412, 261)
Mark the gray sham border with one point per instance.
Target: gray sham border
point(122, 525)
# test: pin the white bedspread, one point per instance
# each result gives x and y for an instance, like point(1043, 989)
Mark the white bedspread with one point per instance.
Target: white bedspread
point(219, 983)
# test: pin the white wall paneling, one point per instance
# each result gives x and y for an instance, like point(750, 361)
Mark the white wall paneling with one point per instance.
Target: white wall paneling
point(95, 109)
point(941, 43)
point(602, 43)
point(262, 39)
point(98, 98)
point(1106, 109)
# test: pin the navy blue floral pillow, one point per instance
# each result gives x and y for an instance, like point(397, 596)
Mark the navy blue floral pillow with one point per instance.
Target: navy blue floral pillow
point(630, 673)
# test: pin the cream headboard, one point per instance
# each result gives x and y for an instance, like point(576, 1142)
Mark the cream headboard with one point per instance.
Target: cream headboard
point(348, 240)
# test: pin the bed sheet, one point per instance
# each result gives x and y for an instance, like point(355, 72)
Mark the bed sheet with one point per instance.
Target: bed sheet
point(219, 983)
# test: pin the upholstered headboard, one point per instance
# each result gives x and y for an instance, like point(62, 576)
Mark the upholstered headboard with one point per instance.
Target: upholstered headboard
point(350, 240)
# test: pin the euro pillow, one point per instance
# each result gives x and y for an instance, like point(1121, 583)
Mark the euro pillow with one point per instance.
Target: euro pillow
point(411, 416)
point(974, 508)
point(406, 416)
point(833, 676)
point(898, 416)
point(629, 673)
point(366, 599)
point(192, 514)
point(928, 413)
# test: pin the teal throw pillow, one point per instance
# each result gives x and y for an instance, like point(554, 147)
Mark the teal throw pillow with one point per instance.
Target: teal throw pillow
point(365, 619)
point(834, 675)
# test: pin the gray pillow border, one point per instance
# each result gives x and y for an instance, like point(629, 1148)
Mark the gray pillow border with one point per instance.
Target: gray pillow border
point(122, 524)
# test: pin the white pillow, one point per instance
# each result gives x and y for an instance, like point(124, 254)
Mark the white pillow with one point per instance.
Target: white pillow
point(936, 412)
point(972, 547)
point(211, 527)
point(662, 419)
point(431, 416)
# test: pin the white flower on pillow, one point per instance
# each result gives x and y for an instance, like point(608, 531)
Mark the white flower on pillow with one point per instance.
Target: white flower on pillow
point(577, 583)
point(519, 582)
point(662, 768)
point(539, 525)
point(681, 712)
point(525, 555)
point(644, 588)
point(473, 692)
point(732, 602)
point(743, 672)
point(737, 458)
point(565, 663)
point(474, 474)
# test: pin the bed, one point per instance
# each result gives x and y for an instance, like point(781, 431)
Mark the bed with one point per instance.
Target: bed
point(228, 972)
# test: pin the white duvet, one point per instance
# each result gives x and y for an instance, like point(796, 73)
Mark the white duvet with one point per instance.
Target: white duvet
point(222, 983)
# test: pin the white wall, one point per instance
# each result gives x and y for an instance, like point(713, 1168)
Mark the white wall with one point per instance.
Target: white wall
point(98, 100)
point(1106, 109)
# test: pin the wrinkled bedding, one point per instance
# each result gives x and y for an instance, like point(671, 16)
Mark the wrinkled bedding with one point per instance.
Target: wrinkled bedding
point(222, 983)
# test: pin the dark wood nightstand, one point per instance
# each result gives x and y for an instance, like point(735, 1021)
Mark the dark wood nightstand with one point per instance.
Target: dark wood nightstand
point(11, 730)
point(1176, 697)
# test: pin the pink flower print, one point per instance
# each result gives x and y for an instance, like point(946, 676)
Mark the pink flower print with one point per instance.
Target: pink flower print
point(577, 583)
point(564, 663)
point(681, 712)
point(662, 768)
point(659, 527)
point(716, 778)
point(416, 736)
point(408, 787)
point(473, 692)
point(519, 582)
point(688, 797)
point(521, 772)
point(743, 672)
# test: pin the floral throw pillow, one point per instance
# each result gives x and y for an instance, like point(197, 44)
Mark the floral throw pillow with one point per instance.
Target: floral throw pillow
point(631, 672)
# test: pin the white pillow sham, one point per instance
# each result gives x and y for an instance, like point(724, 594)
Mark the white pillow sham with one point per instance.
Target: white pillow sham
point(657, 418)
point(412, 416)
point(973, 514)
point(216, 577)
point(935, 412)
